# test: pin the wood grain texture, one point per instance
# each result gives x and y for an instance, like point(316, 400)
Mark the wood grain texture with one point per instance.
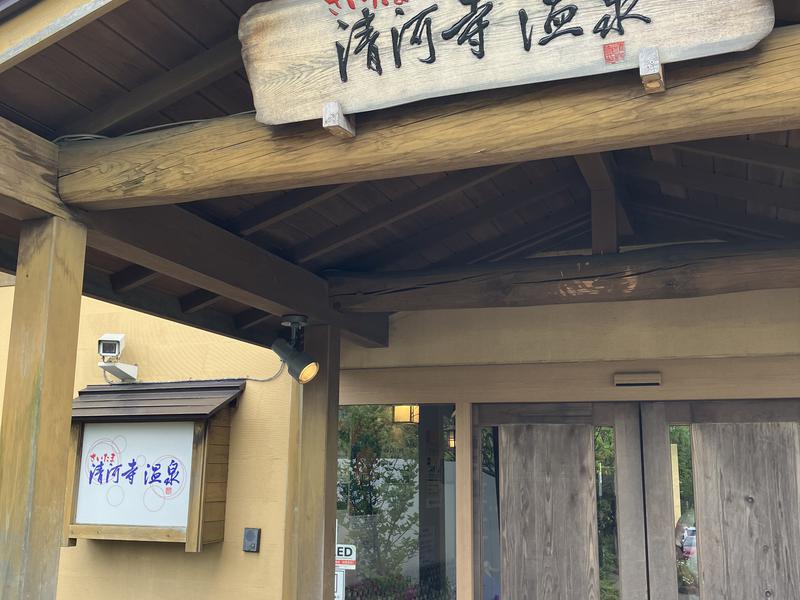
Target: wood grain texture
point(44, 23)
point(28, 168)
point(548, 528)
point(291, 58)
point(746, 482)
point(659, 511)
point(630, 504)
point(731, 95)
point(673, 272)
point(466, 454)
point(35, 426)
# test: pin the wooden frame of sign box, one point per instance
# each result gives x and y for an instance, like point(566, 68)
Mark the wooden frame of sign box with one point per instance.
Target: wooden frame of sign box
point(208, 405)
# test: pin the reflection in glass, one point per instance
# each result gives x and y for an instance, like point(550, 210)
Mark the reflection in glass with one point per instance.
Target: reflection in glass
point(396, 502)
point(490, 514)
point(605, 471)
point(683, 502)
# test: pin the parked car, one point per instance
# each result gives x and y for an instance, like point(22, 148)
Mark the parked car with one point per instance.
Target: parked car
point(689, 546)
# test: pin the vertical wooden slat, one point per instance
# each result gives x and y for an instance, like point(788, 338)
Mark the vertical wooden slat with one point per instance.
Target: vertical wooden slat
point(548, 507)
point(316, 498)
point(73, 477)
point(630, 503)
point(465, 553)
point(658, 502)
point(35, 429)
point(194, 525)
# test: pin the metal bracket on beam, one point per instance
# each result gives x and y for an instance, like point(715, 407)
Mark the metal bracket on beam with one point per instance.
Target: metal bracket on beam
point(335, 121)
point(651, 71)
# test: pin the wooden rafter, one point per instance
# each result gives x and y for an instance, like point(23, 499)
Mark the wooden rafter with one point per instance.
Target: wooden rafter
point(668, 272)
point(726, 95)
point(178, 244)
point(274, 211)
point(195, 74)
point(530, 237)
point(45, 23)
point(722, 185)
point(719, 218)
point(198, 300)
point(538, 191)
point(753, 152)
point(394, 211)
point(131, 277)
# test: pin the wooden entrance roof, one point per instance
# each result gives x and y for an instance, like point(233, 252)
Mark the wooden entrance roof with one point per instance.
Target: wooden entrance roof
point(147, 64)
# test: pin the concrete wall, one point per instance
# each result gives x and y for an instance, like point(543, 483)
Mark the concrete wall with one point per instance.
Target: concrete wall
point(759, 323)
point(257, 477)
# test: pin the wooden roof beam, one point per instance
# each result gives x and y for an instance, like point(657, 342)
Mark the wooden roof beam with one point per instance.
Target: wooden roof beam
point(394, 211)
point(44, 23)
point(173, 242)
point(193, 75)
point(722, 185)
point(687, 271)
point(28, 174)
point(721, 96)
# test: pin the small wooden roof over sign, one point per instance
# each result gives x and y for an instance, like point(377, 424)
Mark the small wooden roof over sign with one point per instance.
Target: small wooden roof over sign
point(183, 400)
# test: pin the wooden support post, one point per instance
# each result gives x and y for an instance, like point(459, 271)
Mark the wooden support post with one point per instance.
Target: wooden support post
point(316, 488)
point(660, 521)
point(600, 173)
point(465, 538)
point(35, 428)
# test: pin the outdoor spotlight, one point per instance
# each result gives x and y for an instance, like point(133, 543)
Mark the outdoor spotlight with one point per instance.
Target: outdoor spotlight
point(301, 366)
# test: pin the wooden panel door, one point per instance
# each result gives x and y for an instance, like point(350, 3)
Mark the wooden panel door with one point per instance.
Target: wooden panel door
point(548, 508)
point(745, 461)
point(748, 518)
point(548, 499)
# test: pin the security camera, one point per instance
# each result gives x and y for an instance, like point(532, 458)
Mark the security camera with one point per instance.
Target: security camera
point(110, 346)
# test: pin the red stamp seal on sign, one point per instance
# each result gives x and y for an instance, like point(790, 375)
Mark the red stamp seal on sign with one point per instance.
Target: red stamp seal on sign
point(614, 52)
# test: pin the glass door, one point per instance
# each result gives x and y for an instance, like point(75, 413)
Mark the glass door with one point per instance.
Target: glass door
point(560, 507)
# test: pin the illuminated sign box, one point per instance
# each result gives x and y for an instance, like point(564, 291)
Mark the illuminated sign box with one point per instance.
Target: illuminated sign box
point(149, 462)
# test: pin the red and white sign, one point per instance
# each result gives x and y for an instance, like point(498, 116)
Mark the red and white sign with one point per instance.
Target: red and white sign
point(345, 557)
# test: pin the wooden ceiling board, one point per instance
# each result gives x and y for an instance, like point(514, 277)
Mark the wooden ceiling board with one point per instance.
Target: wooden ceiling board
point(232, 94)
point(239, 7)
point(72, 77)
point(192, 108)
point(108, 52)
point(147, 28)
point(25, 121)
point(207, 21)
point(35, 99)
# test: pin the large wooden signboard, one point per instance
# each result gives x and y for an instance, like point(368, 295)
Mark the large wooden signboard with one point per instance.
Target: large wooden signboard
point(371, 54)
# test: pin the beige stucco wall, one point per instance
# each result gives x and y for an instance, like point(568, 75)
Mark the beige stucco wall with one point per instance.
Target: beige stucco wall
point(745, 324)
point(257, 476)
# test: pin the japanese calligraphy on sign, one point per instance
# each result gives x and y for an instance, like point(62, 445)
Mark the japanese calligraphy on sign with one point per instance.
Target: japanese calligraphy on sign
point(135, 474)
point(371, 54)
